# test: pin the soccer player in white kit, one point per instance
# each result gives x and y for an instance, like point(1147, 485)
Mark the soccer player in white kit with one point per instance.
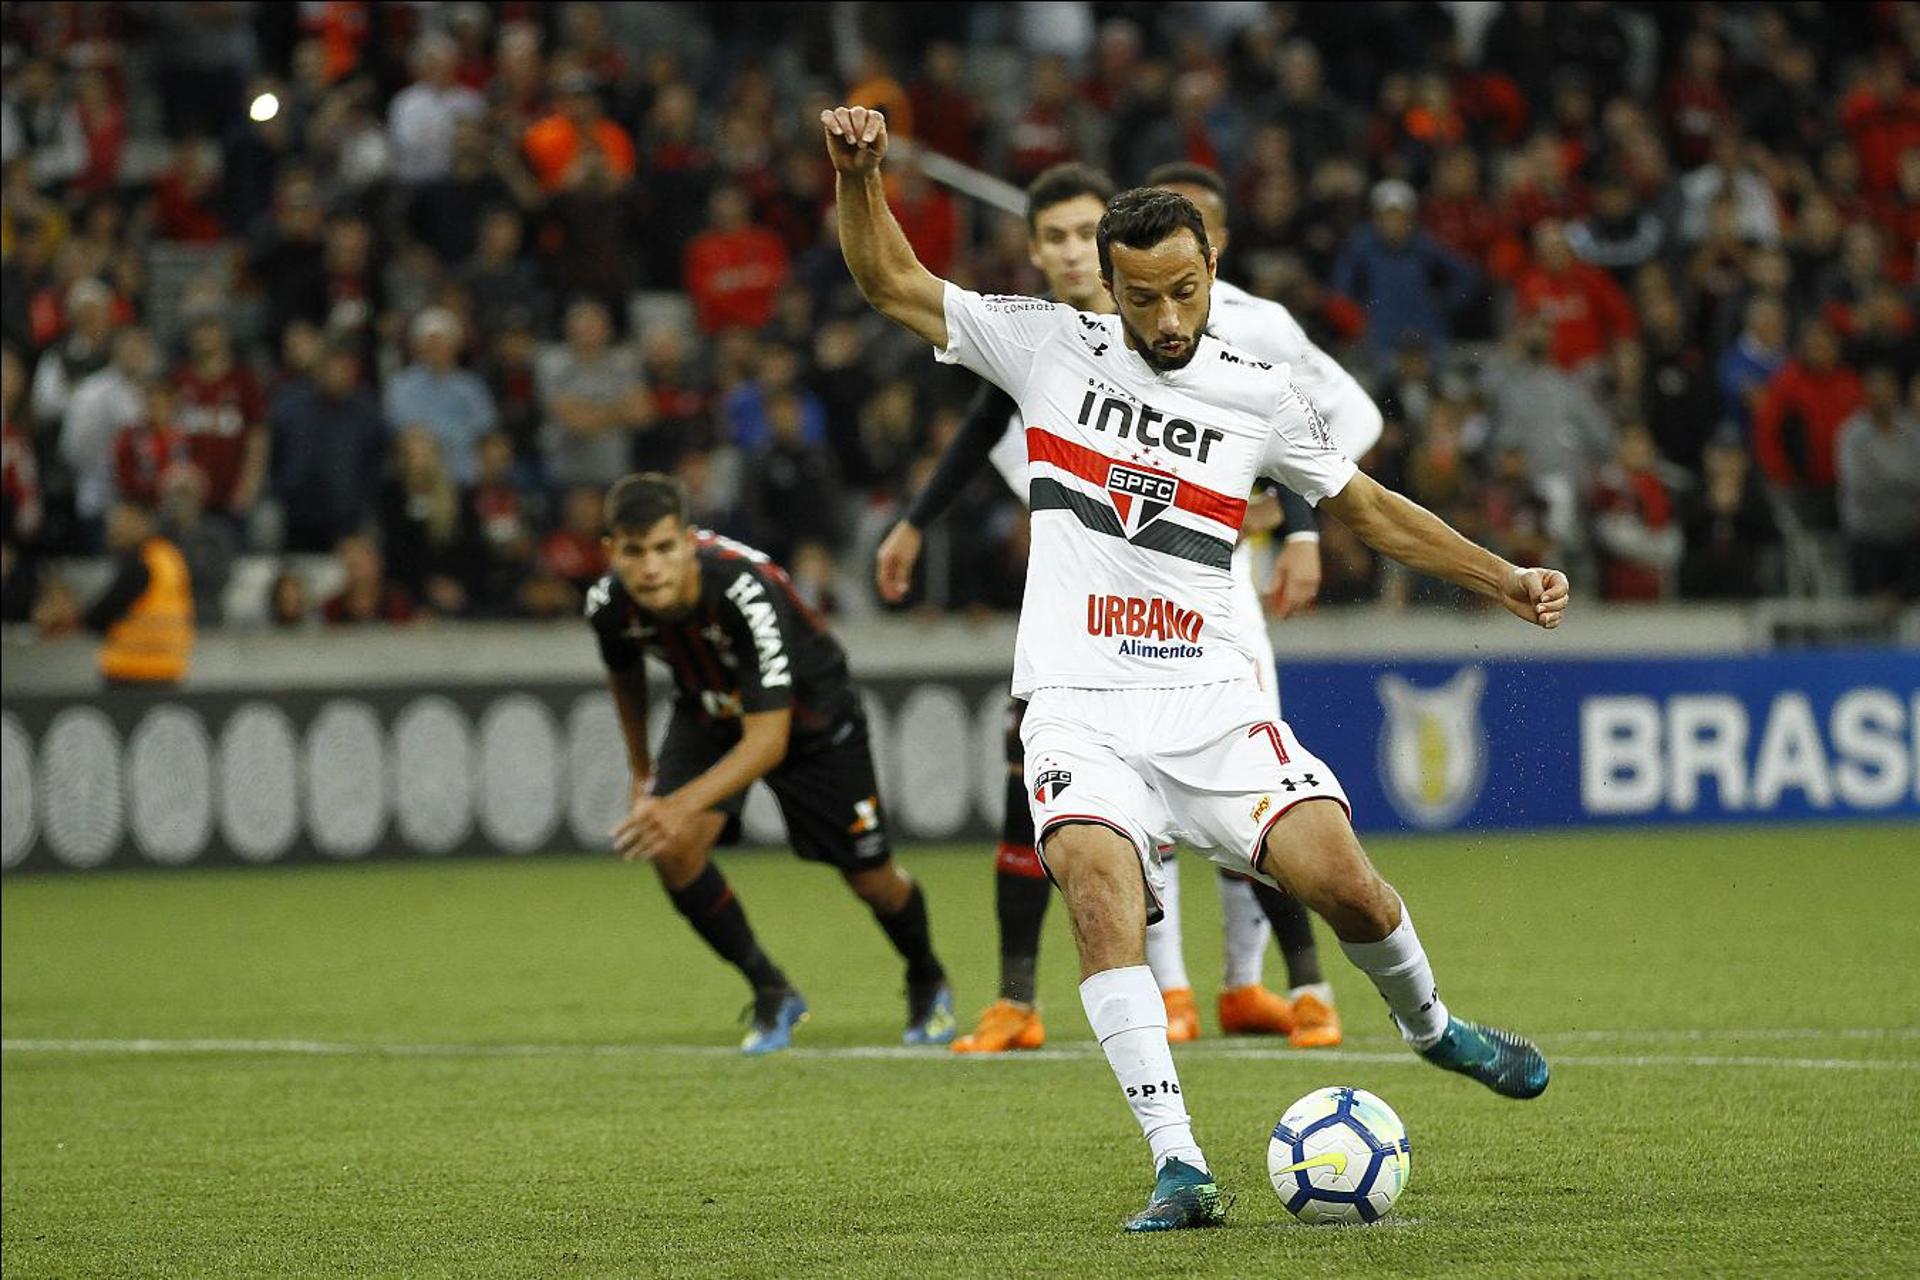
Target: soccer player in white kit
point(1146, 721)
point(1064, 205)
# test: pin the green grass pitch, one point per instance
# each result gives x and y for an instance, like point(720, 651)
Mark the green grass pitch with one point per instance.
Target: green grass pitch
point(525, 1068)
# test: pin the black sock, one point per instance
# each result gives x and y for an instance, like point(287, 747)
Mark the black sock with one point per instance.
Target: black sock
point(1020, 901)
point(717, 916)
point(908, 932)
point(1293, 931)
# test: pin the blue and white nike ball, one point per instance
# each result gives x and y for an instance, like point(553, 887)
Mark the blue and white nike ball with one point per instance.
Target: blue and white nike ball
point(1339, 1155)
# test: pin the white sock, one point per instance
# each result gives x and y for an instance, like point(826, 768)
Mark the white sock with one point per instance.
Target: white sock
point(1130, 1021)
point(1321, 991)
point(1244, 933)
point(1399, 969)
point(1165, 954)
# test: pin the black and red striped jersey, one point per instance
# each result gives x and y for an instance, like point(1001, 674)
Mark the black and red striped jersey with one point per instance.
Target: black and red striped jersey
point(748, 644)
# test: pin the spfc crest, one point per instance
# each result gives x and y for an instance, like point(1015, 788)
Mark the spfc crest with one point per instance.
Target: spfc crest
point(1139, 496)
point(1433, 752)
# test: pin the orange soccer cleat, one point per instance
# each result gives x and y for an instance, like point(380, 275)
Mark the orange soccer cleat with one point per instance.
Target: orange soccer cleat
point(1183, 1020)
point(1253, 1010)
point(1316, 1023)
point(1006, 1025)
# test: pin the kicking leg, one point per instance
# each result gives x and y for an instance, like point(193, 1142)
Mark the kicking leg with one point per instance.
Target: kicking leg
point(1167, 957)
point(901, 910)
point(1313, 852)
point(700, 893)
point(1099, 874)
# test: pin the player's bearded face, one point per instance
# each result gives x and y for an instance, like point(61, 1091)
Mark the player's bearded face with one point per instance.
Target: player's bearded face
point(1165, 294)
point(657, 566)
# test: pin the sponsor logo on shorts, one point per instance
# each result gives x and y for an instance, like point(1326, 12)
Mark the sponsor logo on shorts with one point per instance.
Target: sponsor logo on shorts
point(1260, 810)
point(1142, 620)
point(866, 816)
point(1050, 784)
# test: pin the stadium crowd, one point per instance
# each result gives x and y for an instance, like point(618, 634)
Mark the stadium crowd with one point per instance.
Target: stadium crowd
point(407, 285)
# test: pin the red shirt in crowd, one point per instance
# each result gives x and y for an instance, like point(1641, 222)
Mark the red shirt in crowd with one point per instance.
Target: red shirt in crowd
point(576, 557)
point(19, 481)
point(1589, 313)
point(393, 605)
point(734, 276)
point(1643, 495)
point(1470, 227)
point(1881, 128)
point(142, 456)
point(931, 225)
point(218, 415)
point(1796, 424)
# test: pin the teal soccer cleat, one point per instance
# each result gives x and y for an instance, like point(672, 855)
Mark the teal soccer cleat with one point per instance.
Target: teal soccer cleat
point(930, 1018)
point(1504, 1062)
point(775, 1014)
point(1183, 1197)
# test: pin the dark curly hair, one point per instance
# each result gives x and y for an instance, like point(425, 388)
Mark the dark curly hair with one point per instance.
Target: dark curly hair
point(1142, 218)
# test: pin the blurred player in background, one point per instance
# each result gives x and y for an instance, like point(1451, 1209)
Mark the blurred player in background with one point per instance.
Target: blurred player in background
point(763, 693)
point(1145, 706)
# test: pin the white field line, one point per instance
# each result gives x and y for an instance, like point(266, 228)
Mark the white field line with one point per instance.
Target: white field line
point(1065, 1053)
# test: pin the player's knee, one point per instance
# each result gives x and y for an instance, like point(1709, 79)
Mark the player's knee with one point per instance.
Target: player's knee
point(885, 888)
point(680, 867)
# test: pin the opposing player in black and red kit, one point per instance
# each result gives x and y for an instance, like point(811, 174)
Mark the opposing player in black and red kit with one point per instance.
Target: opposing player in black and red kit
point(762, 693)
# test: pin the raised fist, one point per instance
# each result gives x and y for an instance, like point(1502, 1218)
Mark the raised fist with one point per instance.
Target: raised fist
point(856, 138)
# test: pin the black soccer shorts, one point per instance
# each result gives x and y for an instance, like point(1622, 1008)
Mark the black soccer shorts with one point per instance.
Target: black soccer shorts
point(825, 788)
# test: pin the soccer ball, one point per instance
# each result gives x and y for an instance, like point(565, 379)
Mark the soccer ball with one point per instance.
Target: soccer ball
point(1339, 1155)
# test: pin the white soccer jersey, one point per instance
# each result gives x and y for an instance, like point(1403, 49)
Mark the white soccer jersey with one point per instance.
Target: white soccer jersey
point(1268, 330)
point(1138, 484)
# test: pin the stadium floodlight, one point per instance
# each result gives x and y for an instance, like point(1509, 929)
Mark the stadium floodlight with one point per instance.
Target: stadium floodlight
point(264, 108)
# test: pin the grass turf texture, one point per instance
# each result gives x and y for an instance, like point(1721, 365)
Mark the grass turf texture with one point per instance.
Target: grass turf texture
point(631, 1141)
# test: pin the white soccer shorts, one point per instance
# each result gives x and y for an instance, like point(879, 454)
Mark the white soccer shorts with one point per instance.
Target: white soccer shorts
point(1201, 764)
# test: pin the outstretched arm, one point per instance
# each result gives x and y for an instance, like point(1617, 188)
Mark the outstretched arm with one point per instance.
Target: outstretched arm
point(877, 253)
point(1403, 529)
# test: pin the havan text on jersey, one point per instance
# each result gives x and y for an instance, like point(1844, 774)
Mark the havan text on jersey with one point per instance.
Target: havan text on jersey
point(749, 597)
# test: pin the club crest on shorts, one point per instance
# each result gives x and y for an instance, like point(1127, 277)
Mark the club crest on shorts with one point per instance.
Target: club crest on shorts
point(1433, 752)
point(1050, 784)
point(1139, 496)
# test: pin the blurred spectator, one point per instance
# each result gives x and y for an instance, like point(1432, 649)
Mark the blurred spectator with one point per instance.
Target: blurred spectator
point(777, 371)
point(1513, 514)
point(682, 402)
point(39, 123)
point(1400, 276)
point(84, 350)
point(497, 278)
point(186, 195)
point(1309, 112)
point(680, 177)
point(1635, 525)
point(145, 615)
point(499, 520)
point(790, 493)
point(208, 546)
point(328, 447)
point(288, 604)
point(222, 412)
point(1882, 118)
point(434, 392)
point(482, 183)
point(288, 253)
point(573, 553)
point(1677, 395)
point(1203, 128)
point(146, 449)
point(1729, 172)
point(1462, 219)
point(368, 595)
point(1797, 421)
point(874, 86)
point(734, 269)
point(103, 404)
point(424, 115)
point(21, 507)
point(593, 400)
point(927, 216)
point(577, 139)
point(1620, 234)
point(1879, 479)
point(1751, 362)
point(1555, 418)
point(1052, 128)
point(1728, 525)
point(420, 518)
point(512, 376)
point(946, 114)
point(1587, 314)
point(1694, 103)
